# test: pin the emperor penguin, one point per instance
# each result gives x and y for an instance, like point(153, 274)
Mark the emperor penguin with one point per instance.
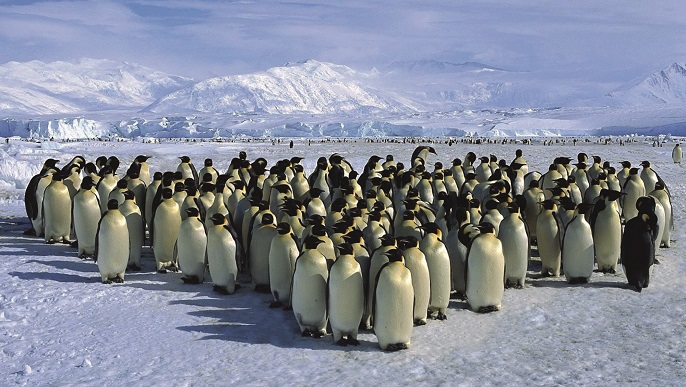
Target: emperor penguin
point(118, 191)
point(519, 159)
point(661, 194)
point(651, 204)
point(677, 154)
point(308, 292)
point(108, 182)
point(191, 248)
point(623, 173)
point(578, 248)
point(139, 189)
point(548, 229)
point(595, 169)
point(516, 247)
point(483, 170)
point(533, 197)
point(485, 271)
point(57, 211)
point(33, 196)
point(283, 252)
point(416, 262)
point(221, 255)
point(150, 193)
point(634, 188)
point(606, 226)
point(638, 249)
point(649, 176)
point(374, 231)
point(377, 260)
point(208, 167)
point(165, 231)
point(580, 175)
point(136, 227)
point(393, 304)
point(112, 247)
point(86, 215)
point(457, 242)
point(346, 297)
point(438, 260)
point(187, 169)
point(143, 168)
point(258, 253)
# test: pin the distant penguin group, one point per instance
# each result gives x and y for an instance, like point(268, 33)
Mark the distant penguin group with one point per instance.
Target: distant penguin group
point(384, 249)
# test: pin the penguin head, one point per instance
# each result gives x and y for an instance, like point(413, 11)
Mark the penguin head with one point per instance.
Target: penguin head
point(659, 186)
point(192, 212)
point(87, 183)
point(50, 163)
point(208, 162)
point(315, 192)
point(597, 159)
point(394, 255)
point(185, 159)
point(311, 242)
point(549, 205)
point(486, 228)
point(157, 176)
point(141, 158)
point(457, 162)
point(582, 157)
point(267, 218)
point(179, 186)
point(408, 216)
point(128, 195)
point(283, 228)
point(167, 193)
point(408, 242)
point(626, 164)
point(518, 153)
point(314, 219)
point(319, 230)
point(387, 240)
point(491, 204)
point(633, 171)
point(430, 228)
point(121, 184)
point(218, 219)
point(645, 204)
point(345, 248)
point(645, 164)
point(584, 208)
point(113, 204)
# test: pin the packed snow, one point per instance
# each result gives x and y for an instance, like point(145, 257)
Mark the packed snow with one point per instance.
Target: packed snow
point(61, 326)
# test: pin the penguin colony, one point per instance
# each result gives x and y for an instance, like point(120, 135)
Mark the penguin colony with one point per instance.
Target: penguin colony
point(381, 248)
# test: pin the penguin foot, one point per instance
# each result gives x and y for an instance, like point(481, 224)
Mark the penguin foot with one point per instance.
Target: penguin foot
point(162, 271)
point(262, 288)
point(354, 342)
point(189, 279)
point(364, 326)
point(318, 334)
point(220, 289)
point(275, 304)
point(133, 267)
point(30, 231)
point(173, 268)
point(50, 242)
point(118, 280)
point(306, 333)
point(74, 244)
point(488, 309)
point(419, 322)
point(656, 262)
point(342, 342)
point(107, 282)
point(578, 281)
point(518, 286)
point(441, 316)
point(236, 286)
point(67, 242)
point(396, 347)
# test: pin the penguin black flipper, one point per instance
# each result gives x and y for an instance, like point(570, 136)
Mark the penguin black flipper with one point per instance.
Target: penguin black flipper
point(598, 207)
point(30, 199)
point(376, 285)
point(297, 242)
point(97, 237)
point(561, 228)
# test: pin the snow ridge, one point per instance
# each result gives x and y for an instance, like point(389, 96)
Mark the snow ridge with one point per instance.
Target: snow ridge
point(665, 86)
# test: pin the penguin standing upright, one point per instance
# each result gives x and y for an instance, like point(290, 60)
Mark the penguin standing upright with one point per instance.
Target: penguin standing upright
point(136, 227)
point(345, 297)
point(661, 194)
point(191, 248)
point(221, 256)
point(282, 255)
point(33, 199)
point(416, 262)
point(107, 182)
point(677, 154)
point(165, 231)
point(187, 169)
point(649, 176)
point(516, 247)
point(485, 271)
point(606, 226)
point(393, 304)
point(638, 249)
point(143, 168)
point(548, 228)
point(57, 211)
point(112, 247)
point(577, 248)
point(438, 260)
point(258, 253)
point(634, 188)
point(86, 215)
point(308, 293)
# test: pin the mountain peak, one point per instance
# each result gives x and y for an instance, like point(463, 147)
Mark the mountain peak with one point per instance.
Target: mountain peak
point(665, 86)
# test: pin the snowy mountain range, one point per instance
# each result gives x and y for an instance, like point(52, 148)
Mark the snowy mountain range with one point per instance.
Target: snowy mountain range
point(92, 98)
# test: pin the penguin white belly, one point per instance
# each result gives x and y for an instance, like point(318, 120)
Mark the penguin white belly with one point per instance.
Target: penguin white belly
point(221, 257)
point(308, 296)
point(167, 223)
point(86, 217)
point(38, 223)
point(136, 227)
point(438, 262)
point(458, 255)
point(516, 251)
point(346, 298)
point(113, 242)
point(577, 252)
point(548, 244)
point(393, 306)
point(608, 239)
point(57, 213)
point(282, 255)
point(485, 273)
point(416, 262)
point(633, 192)
point(191, 248)
point(259, 256)
point(376, 262)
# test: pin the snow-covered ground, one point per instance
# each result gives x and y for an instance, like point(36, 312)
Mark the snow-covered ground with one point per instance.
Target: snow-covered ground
point(60, 326)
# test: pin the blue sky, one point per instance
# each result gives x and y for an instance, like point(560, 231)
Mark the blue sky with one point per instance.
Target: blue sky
point(602, 41)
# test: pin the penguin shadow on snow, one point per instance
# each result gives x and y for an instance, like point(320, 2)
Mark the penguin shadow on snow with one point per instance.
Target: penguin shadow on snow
point(58, 277)
point(245, 317)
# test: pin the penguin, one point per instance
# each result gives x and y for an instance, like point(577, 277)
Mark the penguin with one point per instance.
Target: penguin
point(649, 176)
point(208, 167)
point(374, 231)
point(661, 194)
point(638, 249)
point(623, 173)
point(394, 304)
point(485, 271)
point(438, 260)
point(346, 297)
point(634, 188)
point(86, 215)
point(221, 256)
point(483, 171)
point(308, 289)
point(577, 249)
point(136, 227)
point(677, 154)
point(139, 188)
point(57, 211)
point(150, 194)
point(549, 229)
point(651, 204)
point(377, 260)
point(118, 191)
point(606, 226)
point(165, 231)
point(519, 159)
point(108, 182)
point(533, 197)
point(516, 247)
point(143, 168)
point(33, 196)
point(187, 169)
point(457, 242)
point(190, 250)
point(112, 246)
point(416, 262)
point(283, 252)
point(258, 253)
